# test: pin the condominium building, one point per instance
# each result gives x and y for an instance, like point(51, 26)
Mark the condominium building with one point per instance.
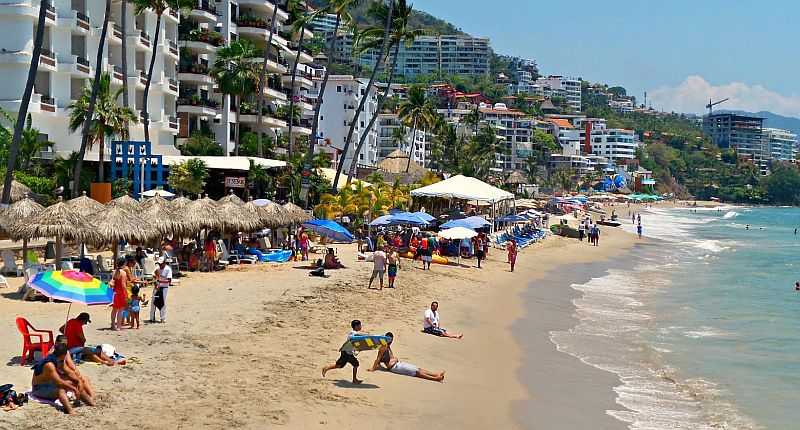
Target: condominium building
point(569, 88)
point(201, 107)
point(324, 23)
point(614, 143)
point(741, 132)
point(69, 57)
point(779, 144)
point(388, 141)
point(340, 100)
point(515, 128)
point(429, 55)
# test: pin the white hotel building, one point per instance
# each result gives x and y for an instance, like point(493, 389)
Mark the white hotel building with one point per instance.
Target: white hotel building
point(386, 125)
point(183, 98)
point(779, 144)
point(614, 143)
point(340, 100)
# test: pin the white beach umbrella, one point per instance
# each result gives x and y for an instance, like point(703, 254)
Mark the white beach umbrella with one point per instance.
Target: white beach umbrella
point(458, 233)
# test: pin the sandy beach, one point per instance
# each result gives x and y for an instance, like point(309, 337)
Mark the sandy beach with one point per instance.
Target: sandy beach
point(244, 348)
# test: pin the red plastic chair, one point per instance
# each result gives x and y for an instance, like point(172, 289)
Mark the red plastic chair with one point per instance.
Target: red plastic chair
point(29, 345)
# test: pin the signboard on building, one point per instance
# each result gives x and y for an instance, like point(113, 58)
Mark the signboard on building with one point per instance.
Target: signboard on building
point(235, 181)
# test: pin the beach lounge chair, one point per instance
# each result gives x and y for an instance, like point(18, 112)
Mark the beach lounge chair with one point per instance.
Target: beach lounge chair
point(4, 282)
point(234, 257)
point(27, 292)
point(149, 267)
point(97, 269)
point(33, 340)
point(10, 264)
point(173, 262)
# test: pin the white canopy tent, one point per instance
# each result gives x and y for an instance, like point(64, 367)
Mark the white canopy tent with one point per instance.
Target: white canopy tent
point(465, 188)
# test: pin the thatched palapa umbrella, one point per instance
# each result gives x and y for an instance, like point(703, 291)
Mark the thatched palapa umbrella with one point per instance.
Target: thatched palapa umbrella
point(202, 213)
point(232, 197)
point(58, 221)
point(20, 191)
point(180, 203)
point(126, 202)
point(16, 214)
point(163, 216)
point(117, 223)
point(235, 218)
point(85, 206)
point(296, 213)
point(274, 215)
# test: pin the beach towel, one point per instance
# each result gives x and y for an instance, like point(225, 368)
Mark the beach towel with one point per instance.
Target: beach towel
point(30, 395)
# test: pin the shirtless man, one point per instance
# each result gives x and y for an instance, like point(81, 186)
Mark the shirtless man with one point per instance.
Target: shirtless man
point(48, 384)
point(68, 369)
point(393, 261)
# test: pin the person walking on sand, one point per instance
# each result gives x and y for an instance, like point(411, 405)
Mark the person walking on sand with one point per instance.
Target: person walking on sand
point(512, 253)
point(479, 251)
point(581, 230)
point(387, 357)
point(163, 276)
point(348, 353)
point(426, 246)
point(393, 259)
point(639, 230)
point(378, 267)
point(430, 323)
point(596, 234)
point(639, 218)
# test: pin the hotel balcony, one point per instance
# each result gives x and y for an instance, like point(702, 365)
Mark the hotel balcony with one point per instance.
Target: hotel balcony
point(204, 11)
point(194, 73)
point(196, 106)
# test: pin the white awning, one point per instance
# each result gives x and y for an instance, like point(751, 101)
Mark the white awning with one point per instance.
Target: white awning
point(464, 187)
point(227, 163)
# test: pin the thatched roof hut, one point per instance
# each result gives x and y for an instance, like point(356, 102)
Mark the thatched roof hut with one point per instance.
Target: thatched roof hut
point(19, 212)
point(126, 202)
point(296, 214)
point(58, 221)
point(231, 198)
point(116, 222)
point(163, 216)
point(394, 166)
point(275, 215)
point(515, 178)
point(85, 206)
point(19, 191)
point(234, 217)
point(202, 213)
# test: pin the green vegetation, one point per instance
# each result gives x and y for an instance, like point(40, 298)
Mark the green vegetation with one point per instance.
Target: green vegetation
point(416, 20)
point(188, 177)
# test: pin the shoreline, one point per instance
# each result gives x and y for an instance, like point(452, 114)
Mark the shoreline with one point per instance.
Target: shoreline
point(244, 346)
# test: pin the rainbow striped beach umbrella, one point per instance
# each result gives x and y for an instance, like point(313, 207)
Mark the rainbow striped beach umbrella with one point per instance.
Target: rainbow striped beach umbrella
point(72, 286)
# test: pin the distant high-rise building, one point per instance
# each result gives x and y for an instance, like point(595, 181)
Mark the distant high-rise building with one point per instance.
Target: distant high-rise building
point(324, 23)
point(741, 132)
point(560, 86)
point(780, 144)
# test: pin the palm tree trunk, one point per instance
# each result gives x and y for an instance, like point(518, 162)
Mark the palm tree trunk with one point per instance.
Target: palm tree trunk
point(238, 126)
point(291, 87)
point(318, 108)
point(411, 146)
point(23, 105)
point(101, 151)
point(262, 81)
point(381, 56)
point(145, 113)
point(124, 24)
point(381, 100)
point(92, 101)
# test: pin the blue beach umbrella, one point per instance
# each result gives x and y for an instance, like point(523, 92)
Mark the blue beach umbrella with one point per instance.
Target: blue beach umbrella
point(407, 218)
point(511, 218)
point(457, 223)
point(424, 216)
point(381, 221)
point(330, 229)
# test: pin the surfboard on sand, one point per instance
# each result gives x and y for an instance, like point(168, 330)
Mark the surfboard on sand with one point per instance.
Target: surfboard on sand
point(368, 342)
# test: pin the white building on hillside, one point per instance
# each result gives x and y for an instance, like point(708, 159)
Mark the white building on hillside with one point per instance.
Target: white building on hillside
point(515, 128)
point(341, 98)
point(387, 143)
point(569, 88)
point(614, 143)
point(779, 144)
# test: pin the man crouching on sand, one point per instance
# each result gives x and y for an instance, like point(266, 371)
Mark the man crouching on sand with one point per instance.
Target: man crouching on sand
point(47, 384)
point(348, 354)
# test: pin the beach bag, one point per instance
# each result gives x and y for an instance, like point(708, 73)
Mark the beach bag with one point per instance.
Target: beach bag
point(158, 300)
point(319, 272)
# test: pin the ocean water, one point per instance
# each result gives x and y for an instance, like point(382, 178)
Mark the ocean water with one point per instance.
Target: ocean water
point(704, 331)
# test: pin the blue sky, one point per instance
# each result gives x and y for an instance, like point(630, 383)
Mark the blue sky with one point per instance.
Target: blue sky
point(681, 52)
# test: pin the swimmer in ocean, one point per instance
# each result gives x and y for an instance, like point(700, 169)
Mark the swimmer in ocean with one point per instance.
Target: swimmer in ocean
point(747, 227)
point(797, 286)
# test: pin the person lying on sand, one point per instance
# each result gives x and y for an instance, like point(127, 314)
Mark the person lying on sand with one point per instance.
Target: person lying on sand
point(348, 354)
point(430, 323)
point(394, 365)
point(76, 341)
point(48, 384)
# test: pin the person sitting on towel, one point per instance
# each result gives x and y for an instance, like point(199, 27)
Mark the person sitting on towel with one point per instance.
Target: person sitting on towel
point(394, 365)
point(76, 341)
point(332, 261)
point(49, 385)
point(68, 370)
point(430, 324)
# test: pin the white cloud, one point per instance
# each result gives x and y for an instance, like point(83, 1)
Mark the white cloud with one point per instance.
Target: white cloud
point(692, 96)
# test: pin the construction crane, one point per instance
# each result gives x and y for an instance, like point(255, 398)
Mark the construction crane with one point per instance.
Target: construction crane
point(712, 104)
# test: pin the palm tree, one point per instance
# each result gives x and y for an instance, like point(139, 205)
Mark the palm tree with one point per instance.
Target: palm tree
point(23, 105)
point(295, 9)
point(109, 119)
point(237, 75)
point(92, 102)
point(412, 110)
point(445, 149)
point(201, 145)
point(369, 39)
point(158, 7)
point(473, 118)
point(342, 9)
point(124, 25)
point(399, 134)
point(262, 80)
point(384, 44)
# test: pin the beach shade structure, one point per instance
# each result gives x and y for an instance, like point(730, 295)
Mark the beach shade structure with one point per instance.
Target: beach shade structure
point(180, 203)
point(464, 187)
point(17, 213)
point(457, 223)
point(296, 213)
point(330, 229)
point(511, 219)
point(72, 286)
point(85, 206)
point(158, 192)
point(162, 216)
point(126, 202)
point(275, 215)
point(262, 202)
point(395, 211)
point(256, 211)
point(235, 218)
point(381, 221)
point(407, 218)
point(117, 223)
point(20, 191)
point(202, 213)
point(58, 221)
point(232, 197)
point(516, 178)
point(424, 216)
point(458, 233)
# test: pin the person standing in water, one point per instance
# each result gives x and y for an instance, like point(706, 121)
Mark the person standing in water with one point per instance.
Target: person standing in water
point(639, 230)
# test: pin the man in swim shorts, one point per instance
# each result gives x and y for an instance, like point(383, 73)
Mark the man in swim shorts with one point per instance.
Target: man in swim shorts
point(48, 384)
point(348, 354)
point(379, 266)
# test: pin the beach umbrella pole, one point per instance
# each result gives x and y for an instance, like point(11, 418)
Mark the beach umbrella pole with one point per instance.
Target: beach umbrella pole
point(24, 254)
point(67, 320)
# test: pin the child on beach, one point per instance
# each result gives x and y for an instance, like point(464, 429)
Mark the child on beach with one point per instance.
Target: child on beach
point(512, 253)
point(393, 260)
point(135, 306)
point(348, 354)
